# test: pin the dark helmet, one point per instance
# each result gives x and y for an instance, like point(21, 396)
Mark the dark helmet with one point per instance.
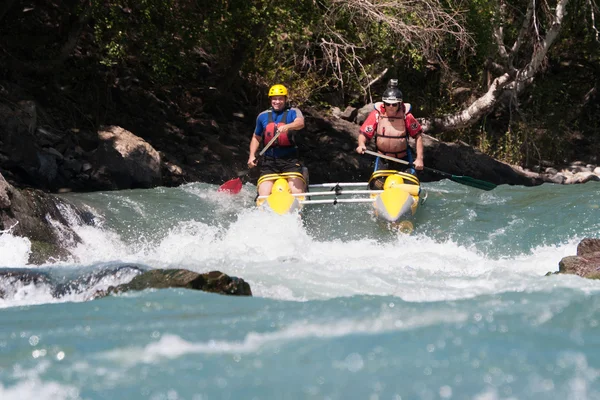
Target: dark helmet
point(392, 94)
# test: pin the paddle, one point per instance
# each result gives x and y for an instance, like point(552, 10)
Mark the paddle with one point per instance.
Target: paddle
point(234, 186)
point(464, 180)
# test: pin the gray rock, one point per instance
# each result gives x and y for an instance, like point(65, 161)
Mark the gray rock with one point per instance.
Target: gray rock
point(336, 112)
point(555, 178)
point(363, 113)
point(588, 247)
point(349, 114)
point(586, 263)
point(124, 161)
point(214, 282)
point(582, 177)
point(28, 213)
point(53, 152)
point(4, 193)
point(48, 168)
point(73, 165)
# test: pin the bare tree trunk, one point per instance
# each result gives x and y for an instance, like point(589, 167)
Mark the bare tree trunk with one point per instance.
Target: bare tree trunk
point(514, 81)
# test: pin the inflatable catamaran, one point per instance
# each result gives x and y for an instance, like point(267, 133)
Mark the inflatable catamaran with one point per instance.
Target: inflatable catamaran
point(393, 195)
point(397, 200)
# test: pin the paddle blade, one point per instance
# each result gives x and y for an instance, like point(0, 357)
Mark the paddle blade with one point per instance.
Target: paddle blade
point(476, 183)
point(232, 186)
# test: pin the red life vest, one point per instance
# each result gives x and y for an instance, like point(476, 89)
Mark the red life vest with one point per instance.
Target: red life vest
point(286, 139)
point(396, 131)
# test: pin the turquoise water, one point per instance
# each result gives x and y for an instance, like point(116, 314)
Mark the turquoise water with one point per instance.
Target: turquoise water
point(342, 307)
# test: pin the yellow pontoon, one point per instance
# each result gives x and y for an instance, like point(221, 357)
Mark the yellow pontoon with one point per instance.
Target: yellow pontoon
point(394, 196)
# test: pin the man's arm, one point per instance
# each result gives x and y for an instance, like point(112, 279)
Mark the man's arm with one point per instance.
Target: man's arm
point(415, 130)
point(254, 144)
point(419, 160)
point(366, 132)
point(293, 126)
point(362, 144)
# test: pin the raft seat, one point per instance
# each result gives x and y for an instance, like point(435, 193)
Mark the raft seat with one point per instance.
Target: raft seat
point(280, 191)
point(285, 175)
point(376, 181)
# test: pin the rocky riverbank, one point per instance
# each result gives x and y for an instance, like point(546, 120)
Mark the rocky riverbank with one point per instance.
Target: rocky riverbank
point(38, 155)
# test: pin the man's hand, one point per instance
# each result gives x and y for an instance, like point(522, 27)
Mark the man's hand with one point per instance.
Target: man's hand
point(252, 162)
point(361, 149)
point(418, 164)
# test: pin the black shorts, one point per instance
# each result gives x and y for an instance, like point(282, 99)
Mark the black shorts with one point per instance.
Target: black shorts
point(383, 164)
point(272, 165)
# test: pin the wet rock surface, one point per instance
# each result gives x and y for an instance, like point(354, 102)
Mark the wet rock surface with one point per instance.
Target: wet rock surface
point(587, 261)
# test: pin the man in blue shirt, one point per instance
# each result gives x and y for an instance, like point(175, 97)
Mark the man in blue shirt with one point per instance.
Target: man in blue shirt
point(282, 155)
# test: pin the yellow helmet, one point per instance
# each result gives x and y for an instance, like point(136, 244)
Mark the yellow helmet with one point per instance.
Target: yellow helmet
point(278, 90)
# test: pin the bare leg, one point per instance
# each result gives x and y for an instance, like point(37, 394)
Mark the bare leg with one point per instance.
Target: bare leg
point(296, 185)
point(264, 189)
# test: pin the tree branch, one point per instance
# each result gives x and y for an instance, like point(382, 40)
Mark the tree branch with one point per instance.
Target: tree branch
point(498, 34)
point(510, 83)
point(524, 29)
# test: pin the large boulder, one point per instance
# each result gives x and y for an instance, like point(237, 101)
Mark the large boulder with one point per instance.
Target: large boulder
point(461, 159)
point(41, 218)
point(124, 160)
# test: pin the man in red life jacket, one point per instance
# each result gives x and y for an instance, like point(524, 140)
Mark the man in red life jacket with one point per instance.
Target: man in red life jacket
point(391, 123)
point(282, 155)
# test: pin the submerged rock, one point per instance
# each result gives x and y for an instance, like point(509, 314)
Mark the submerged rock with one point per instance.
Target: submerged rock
point(89, 279)
point(214, 282)
point(11, 277)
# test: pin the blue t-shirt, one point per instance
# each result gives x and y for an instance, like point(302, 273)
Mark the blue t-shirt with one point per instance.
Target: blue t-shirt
point(261, 124)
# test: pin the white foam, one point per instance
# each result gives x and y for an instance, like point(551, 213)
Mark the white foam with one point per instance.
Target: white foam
point(280, 260)
point(173, 346)
point(31, 386)
point(36, 389)
point(14, 250)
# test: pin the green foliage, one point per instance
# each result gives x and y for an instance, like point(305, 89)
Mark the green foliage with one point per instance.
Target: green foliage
point(510, 147)
point(323, 49)
point(482, 16)
point(158, 34)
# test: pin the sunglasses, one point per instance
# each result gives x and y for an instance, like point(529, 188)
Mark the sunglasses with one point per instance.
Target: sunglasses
point(391, 105)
